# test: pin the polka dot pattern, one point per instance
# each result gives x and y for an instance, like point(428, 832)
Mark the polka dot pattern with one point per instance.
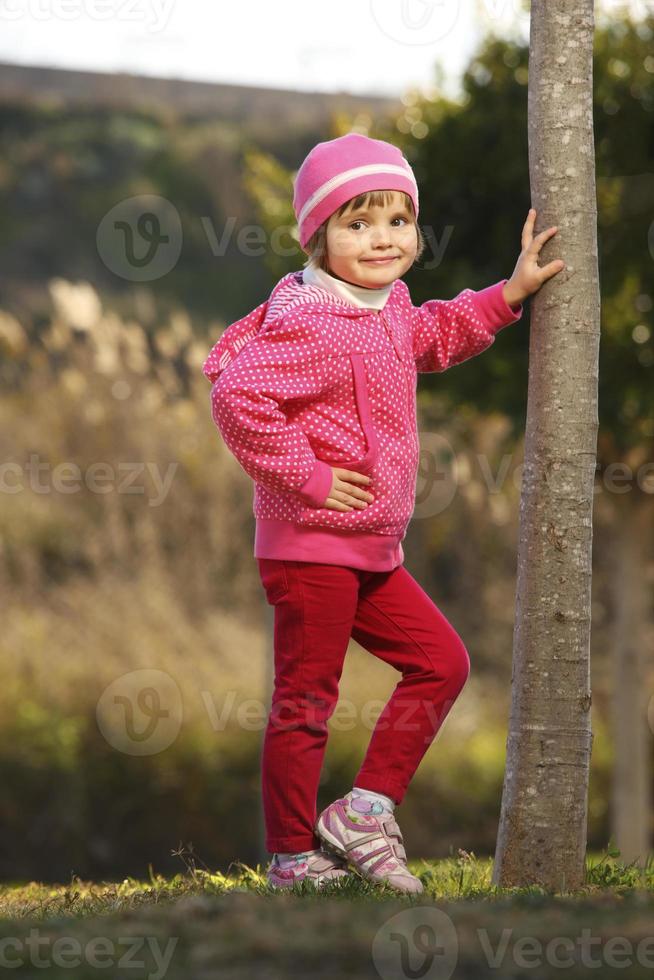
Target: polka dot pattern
point(307, 381)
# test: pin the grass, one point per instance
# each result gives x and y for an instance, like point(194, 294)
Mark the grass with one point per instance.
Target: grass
point(200, 924)
point(465, 877)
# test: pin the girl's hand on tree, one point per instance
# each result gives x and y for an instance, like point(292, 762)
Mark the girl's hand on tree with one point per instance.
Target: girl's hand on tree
point(528, 276)
point(345, 494)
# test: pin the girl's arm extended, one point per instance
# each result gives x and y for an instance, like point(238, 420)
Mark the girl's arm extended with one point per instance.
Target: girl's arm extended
point(447, 332)
point(281, 363)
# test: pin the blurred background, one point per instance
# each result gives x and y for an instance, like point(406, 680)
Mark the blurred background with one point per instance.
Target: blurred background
point(146, 165)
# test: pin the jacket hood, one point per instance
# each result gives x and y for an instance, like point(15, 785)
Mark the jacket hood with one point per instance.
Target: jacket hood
point(288, 294)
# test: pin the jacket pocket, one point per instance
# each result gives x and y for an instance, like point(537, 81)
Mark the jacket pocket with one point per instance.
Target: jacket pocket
point(365, 418)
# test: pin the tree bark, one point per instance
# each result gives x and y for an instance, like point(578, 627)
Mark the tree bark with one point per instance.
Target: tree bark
point(542, 832)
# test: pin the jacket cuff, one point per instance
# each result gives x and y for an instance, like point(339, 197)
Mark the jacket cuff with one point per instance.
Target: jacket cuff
point(316, 489)
point(494, 309)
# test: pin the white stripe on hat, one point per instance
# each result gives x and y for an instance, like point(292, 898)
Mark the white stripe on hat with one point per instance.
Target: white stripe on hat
point(347, 175)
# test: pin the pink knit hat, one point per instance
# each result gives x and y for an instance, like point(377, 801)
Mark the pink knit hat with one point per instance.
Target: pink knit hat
point(339, 169)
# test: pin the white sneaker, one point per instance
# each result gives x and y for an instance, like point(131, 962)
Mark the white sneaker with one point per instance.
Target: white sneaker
point(371, 841)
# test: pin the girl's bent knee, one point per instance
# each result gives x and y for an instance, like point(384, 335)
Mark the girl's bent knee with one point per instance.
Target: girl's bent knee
point(461, 665)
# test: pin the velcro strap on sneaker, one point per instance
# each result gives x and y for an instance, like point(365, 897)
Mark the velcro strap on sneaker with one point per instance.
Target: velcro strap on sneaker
point(392, 830)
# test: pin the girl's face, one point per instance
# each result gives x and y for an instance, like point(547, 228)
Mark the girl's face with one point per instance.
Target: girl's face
point(372, 246)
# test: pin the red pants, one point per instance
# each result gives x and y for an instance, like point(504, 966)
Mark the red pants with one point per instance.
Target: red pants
point(317, 608)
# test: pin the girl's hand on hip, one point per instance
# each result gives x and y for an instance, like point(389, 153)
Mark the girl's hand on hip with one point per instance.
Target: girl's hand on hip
point(528, 276)
point(347, 491)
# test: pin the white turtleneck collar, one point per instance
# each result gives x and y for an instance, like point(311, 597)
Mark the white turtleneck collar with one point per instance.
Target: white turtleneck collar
point(359, 296)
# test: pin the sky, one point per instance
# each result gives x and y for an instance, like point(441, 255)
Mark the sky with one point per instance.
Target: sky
point(381, 47)
point(363, 46)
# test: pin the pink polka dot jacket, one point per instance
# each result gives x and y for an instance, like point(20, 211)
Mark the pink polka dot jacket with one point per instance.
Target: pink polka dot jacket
point(307, 381)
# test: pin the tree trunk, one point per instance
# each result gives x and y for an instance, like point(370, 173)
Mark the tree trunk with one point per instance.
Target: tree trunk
point(542, 832)
point(631, 797)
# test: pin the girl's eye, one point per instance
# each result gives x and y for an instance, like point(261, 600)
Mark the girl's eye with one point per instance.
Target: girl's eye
point(399, 218)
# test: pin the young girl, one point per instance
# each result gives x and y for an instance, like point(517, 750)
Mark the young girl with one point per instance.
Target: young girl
point(314, 392)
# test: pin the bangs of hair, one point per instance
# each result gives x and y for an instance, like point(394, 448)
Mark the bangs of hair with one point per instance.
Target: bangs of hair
point(371, 199)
